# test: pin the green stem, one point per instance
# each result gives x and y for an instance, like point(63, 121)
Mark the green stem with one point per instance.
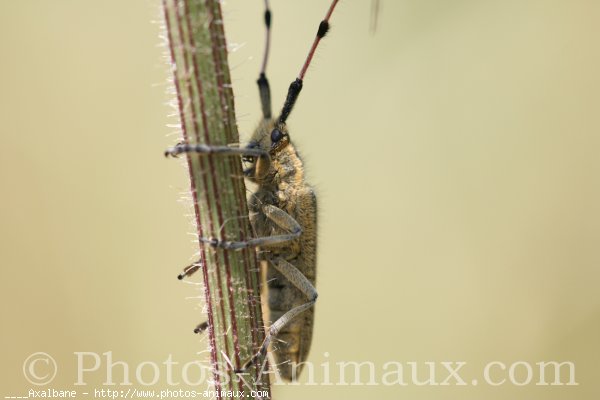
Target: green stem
point(231, 278)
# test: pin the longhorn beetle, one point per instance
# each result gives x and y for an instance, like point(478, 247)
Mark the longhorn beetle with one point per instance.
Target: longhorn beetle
point(283, 214)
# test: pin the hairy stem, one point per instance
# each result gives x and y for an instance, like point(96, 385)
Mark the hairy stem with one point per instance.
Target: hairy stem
point(231, 278)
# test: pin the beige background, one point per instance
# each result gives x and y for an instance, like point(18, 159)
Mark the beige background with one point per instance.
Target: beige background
point(455, 153)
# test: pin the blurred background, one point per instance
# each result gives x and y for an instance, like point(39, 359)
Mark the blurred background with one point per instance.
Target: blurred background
point(455, 154)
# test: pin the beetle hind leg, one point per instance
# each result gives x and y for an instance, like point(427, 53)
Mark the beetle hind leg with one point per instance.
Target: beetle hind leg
point(300, 281)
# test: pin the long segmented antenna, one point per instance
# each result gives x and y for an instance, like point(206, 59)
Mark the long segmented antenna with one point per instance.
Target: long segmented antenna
point(263, 84)
point(296, 85)
point(268, 17)
point(375, 6)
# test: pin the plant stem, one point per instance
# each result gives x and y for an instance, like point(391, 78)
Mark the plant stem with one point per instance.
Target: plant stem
point(231, 278)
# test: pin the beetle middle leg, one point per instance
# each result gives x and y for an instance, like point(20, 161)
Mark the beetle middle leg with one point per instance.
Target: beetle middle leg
point(276, 215)
point(286, 222)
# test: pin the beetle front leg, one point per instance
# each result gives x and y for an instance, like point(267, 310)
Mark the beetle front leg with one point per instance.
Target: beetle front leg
point(181, 148)
point(261, 165)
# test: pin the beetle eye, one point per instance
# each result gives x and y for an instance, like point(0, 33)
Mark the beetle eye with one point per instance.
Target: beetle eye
point(276, 136)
